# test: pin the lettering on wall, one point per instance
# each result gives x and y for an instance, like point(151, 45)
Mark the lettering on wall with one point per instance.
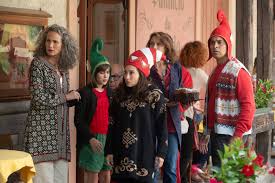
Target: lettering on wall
point(169, 4)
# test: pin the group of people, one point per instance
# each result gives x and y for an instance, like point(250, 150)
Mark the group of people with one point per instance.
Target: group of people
point(130, 126)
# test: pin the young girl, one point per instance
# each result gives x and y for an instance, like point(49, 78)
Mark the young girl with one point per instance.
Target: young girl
point(138, 112)
point(92, 118)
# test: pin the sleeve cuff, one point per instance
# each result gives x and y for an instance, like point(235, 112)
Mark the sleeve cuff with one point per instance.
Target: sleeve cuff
point(62, 98)
point(162, 151)
point(238, 134)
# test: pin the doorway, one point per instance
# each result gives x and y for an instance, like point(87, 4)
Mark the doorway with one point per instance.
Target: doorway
point(105, 19)
point(108, 20)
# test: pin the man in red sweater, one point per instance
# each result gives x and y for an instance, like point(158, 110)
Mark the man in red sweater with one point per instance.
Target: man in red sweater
point(229, 99)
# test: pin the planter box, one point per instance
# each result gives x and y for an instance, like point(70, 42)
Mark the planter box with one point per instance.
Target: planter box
point(263, 124)
point(263, 120)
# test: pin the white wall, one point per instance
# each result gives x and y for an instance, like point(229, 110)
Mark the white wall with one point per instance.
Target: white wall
point(57, 8)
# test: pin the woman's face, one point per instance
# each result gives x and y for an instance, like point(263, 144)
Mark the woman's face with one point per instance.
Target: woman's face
point(131, 76)
point(53, 44)
point(155, 43)
point(102, 77)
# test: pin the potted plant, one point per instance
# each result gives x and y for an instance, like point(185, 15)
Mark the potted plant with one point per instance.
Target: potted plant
point(264, 93)
point(240, 164)
point(263, 121)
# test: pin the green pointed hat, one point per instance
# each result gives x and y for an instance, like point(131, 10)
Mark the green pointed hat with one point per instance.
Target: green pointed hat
point(96, 58)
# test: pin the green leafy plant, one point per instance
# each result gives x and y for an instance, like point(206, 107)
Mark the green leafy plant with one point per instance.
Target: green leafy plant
point(239, 164)
point(264, 93)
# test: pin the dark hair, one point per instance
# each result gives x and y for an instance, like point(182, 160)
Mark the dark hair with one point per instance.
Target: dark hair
point(138, 92)
point(194, 54)
point(100, 68)
point(167, 41)
point(69, 52)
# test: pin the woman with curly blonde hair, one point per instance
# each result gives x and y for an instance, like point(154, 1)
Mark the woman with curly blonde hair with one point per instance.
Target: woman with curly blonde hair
point(193, 56)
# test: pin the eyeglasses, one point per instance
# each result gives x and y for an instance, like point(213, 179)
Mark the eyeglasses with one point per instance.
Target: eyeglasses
point(115, 77)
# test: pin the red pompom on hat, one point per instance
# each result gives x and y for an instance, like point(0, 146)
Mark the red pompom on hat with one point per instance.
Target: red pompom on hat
point(224, 31)
point(144, 59)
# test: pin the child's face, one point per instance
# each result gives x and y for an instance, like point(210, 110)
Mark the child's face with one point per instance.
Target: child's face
point(102, 77)
point(131, 76)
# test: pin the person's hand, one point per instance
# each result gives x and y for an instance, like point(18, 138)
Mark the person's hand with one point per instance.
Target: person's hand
point(110, 159)
point(197, 106)
point(171, 104)
point(96, 145)
point(73, 95)
point(158, 162)
point(203, 144)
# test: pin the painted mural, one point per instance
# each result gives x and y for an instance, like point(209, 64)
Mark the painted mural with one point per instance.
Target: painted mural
point(176, 17)
point(16, 48)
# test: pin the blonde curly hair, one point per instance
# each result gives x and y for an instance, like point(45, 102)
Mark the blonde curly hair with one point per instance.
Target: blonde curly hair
point(194, 54)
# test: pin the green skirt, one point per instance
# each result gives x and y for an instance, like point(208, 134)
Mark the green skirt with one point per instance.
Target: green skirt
point(93, 161)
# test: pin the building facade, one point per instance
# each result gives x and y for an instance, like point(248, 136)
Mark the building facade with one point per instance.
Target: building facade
point(124, 25)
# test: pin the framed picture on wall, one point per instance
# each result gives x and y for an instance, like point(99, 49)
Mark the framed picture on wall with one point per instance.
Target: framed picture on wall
point(18, 33)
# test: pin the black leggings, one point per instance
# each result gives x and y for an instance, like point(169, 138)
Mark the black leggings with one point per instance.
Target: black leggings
point(217, 143)
point(186, 152)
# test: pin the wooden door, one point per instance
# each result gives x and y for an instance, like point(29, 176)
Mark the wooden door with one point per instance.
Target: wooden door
point(107, 19)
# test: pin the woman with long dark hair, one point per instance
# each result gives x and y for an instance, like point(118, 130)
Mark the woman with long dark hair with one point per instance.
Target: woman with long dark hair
point(138, 113)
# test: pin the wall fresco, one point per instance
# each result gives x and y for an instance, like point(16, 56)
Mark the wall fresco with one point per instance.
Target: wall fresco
point(176, 17)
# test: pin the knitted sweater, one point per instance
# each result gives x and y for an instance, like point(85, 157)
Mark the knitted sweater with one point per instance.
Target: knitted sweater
point(137, 134)
point(84, 112)
point(233, 112)
point(100, 120)
point(47, 134)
